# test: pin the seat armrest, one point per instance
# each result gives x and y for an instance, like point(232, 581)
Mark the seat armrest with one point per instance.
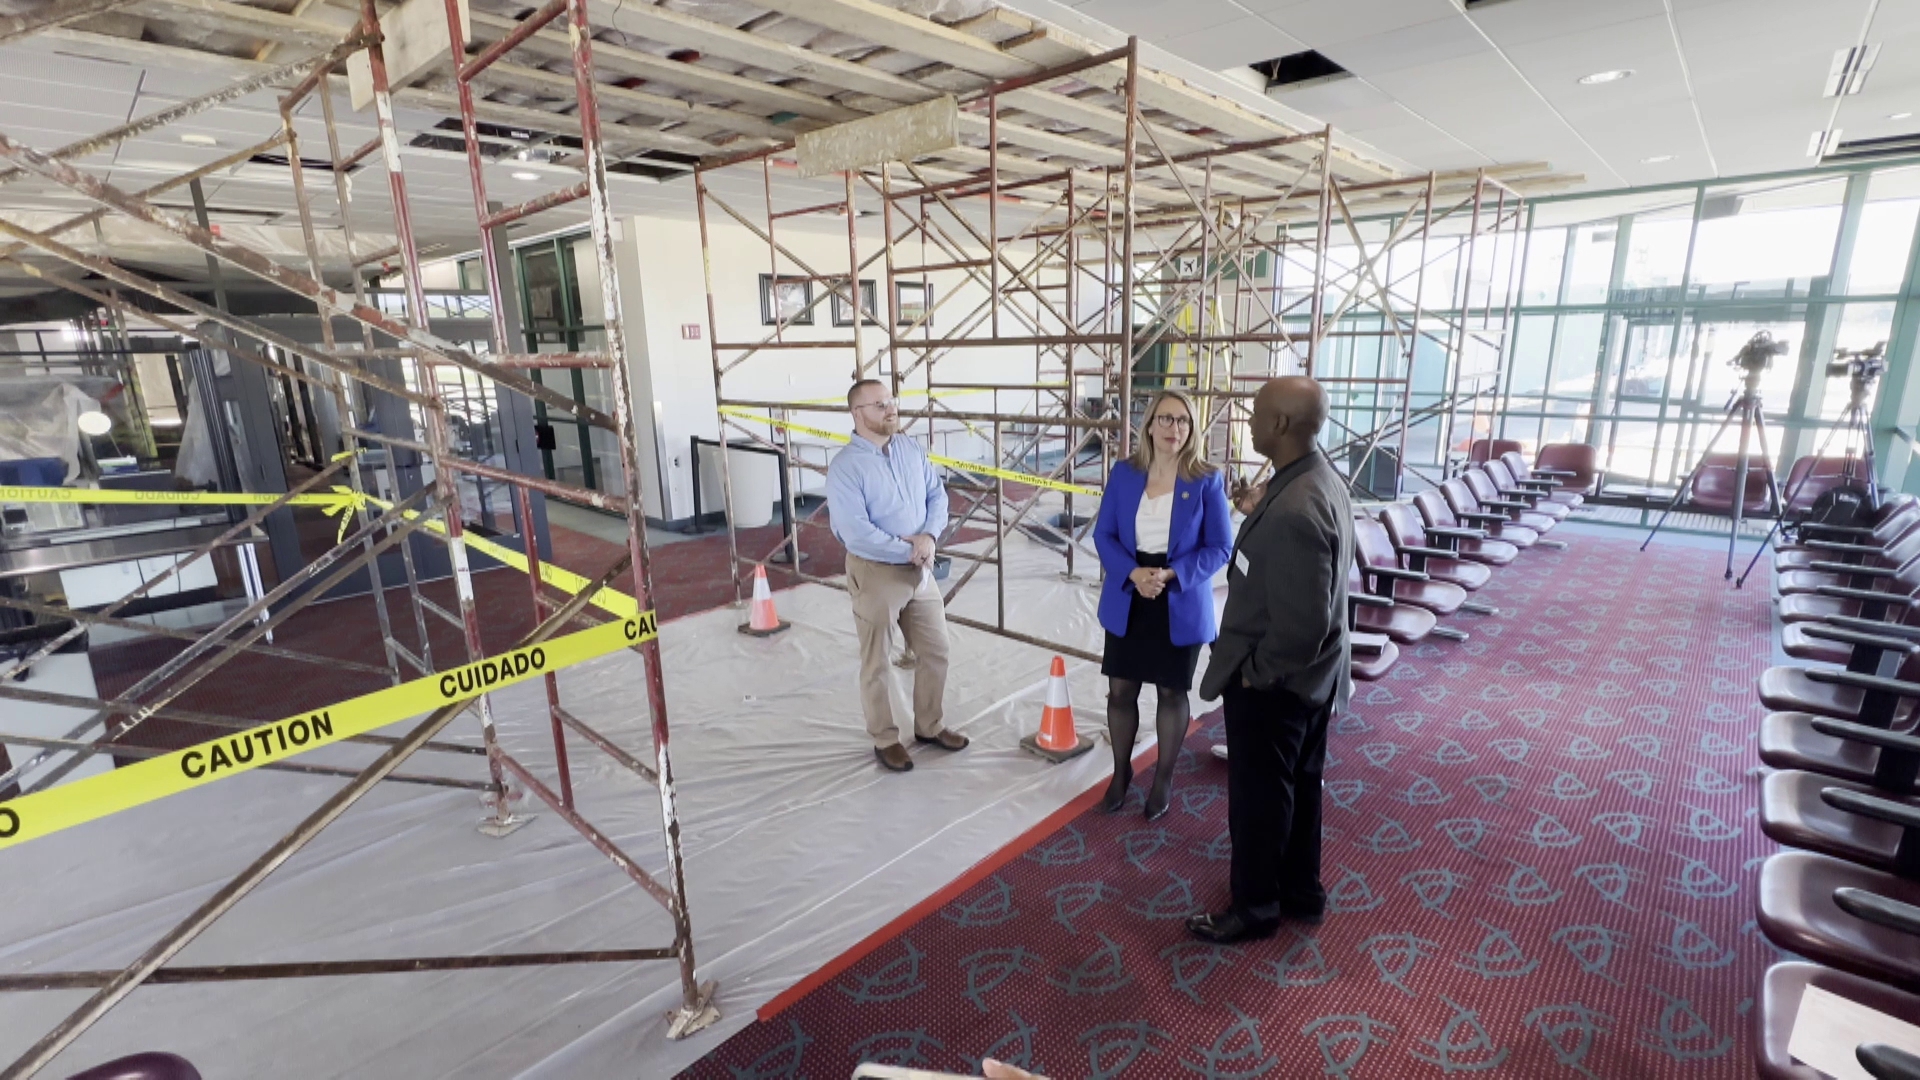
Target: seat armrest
point(1874, 908)
point(1870, 683)
point(1458, 534)
point(1884, 1062)
point(1842, 530)
point(1431, 553)
point(1870, 596)
point(1868, 806)
point(1856, 637)
point(1873, 626)
point(1368, 600)
point(1475, 515)
point(1559, 474)
point(1505, 504)
point(1853, 569)
point(1864, 733)
point(1845, 549)
point(1396, 573)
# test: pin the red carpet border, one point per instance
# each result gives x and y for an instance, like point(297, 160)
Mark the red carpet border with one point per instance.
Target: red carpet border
point(1541, 851)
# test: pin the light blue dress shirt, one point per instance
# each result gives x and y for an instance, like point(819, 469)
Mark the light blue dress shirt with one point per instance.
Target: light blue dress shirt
point(875, 498)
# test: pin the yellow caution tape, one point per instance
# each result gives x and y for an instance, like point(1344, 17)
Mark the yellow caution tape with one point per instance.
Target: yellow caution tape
point(611, 601)
point(42, 813)
point(327, 500)
point(938, 459)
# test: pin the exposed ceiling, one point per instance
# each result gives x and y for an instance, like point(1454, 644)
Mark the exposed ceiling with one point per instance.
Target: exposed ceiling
point(1719, 87)
point(680, 81)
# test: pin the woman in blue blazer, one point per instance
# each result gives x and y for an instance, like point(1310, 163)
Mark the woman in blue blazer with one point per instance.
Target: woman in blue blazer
point(1163, 532)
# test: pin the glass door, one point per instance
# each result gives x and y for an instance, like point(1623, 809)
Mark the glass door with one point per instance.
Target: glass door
point(571, 451)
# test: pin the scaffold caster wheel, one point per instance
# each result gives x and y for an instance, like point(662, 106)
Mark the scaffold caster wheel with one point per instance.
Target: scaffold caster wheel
point(702, 1014)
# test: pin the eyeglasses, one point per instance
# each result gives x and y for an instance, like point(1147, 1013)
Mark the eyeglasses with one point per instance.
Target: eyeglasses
point(1172, 420)
point(883, 406)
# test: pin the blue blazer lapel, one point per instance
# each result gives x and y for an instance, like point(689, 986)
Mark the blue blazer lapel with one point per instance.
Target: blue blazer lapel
point(1133, 488)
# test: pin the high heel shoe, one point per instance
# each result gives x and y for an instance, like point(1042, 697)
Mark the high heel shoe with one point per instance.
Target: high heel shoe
point(1157, 807)
point(1116, 798)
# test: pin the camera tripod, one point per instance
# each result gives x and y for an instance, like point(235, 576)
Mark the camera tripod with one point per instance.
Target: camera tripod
point(1746, 407)
point(1855, 471)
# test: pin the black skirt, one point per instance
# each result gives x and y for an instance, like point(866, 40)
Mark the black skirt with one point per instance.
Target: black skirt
point(1147, 654)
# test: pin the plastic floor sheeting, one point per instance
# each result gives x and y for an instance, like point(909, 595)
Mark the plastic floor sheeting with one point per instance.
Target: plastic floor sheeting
point(797, 848)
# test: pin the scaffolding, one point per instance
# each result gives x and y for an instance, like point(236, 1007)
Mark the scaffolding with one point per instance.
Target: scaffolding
point(1146, 252)
point(395, 360)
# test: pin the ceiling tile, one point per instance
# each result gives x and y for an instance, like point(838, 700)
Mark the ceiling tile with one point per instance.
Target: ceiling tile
point(1337, 101)
point(1320, 23)
point(1534, 20)
point(1245, 40)
point(1156, 19)
point(1448, 38)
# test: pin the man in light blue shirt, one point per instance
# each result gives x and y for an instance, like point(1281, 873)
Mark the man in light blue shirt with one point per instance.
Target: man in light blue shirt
point(886, 505)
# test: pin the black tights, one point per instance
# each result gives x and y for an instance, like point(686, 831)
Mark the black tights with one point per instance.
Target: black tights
point(1123, 726)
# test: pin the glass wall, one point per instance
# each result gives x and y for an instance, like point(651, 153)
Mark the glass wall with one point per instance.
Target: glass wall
point(1633, 305)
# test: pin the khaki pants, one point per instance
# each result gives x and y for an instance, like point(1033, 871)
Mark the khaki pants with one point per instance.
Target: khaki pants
point(885, 595)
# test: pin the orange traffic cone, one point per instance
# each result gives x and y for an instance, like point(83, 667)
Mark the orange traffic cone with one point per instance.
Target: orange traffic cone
point(762, 619)
point(1057, 740)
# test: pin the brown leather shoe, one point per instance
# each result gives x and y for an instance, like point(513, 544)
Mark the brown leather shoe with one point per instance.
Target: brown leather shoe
point(893, 758)
point(946, 740)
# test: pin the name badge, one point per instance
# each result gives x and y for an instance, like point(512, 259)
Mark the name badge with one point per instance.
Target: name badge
point(1240, 562)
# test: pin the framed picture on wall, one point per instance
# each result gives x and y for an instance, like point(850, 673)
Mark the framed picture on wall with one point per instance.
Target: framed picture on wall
point(786, 300)
point(869, 304)
point(912, 302)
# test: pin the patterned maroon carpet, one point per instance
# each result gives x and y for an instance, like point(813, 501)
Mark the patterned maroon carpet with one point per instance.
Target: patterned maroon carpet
point(1541, 854)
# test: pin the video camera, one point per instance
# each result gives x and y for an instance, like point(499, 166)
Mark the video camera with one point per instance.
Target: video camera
point(1758, 353)
point(1862, 365)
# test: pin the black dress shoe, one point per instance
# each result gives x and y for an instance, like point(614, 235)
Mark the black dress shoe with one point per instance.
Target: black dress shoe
point(1310, 914)
point(1229, 927)
point(1157, 808)
point(1115, 798)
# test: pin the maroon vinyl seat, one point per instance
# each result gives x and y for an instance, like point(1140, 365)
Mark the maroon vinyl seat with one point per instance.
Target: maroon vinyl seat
point(148, 1066)
point(1793, 812)
point(1432, 553)
point(1481, 451)
point(1812, 477)
point(1875, 571)
point(1510, 486)
point(1473, 544)
point(1779, 1005)
point(1460, 498)
point(1843, 695)
point(1404, 623)
point(1372, 659)
point(1798, 912)
point(1553, 485)
point(1380, 568)
point(1712, 490)
point(1856, 644)
point(1890, 603)
point(1575, 465)
point(1789, 740)
point(1488, 493)
point(1898, 516)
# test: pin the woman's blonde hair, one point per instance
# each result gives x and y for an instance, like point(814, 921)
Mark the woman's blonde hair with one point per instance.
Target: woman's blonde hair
point(1192, 464)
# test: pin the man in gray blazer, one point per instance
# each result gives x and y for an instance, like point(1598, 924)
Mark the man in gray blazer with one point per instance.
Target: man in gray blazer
point(1281, 662)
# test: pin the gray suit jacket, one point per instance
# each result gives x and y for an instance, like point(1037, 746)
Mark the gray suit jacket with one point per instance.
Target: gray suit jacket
point(1285, 626)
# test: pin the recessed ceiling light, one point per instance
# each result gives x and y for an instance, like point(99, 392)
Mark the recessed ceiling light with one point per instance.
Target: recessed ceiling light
point(1656, 159)
point(526, 176)
point(1898, 115)
point(199, 140)
point(1599, 77)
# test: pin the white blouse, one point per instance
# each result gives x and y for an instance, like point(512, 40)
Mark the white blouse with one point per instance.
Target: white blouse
point(1152, 523)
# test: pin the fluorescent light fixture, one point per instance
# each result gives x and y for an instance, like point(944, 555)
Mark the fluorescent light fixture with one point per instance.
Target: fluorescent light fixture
point(1822, 143)
point(526, 176)
point(1599, 77)
point(1898, 115)
point(1848, 74)
point(199, 140)
point(1656, 159)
